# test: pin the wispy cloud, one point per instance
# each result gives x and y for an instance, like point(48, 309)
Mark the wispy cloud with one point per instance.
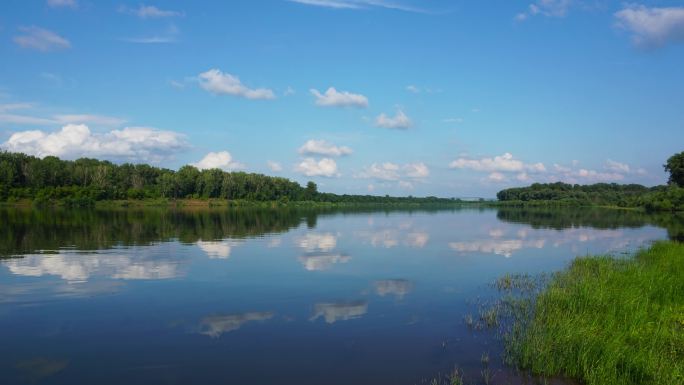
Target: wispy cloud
point(652, 27)
point(170, 35)
point(41, 39)
point(549, 8)
point(362, 4)
point(149, 12)
point(62, 4)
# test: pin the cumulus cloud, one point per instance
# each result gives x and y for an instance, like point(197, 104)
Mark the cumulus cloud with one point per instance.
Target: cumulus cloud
point(389, 171)
point(496, 177)
point(321, 147)
point(652, 27)
point(62, 3)
point(416, 170)
point(613, 171)
point(221, 160)
point(274, 166)
point(617, 166)
point(334, 98)
point(398, 121)
point(41, 39)
point(76, 140)
point(325, 167)
point(501, 163)
point(551, 8)
point(149, 12)
point(220, 83)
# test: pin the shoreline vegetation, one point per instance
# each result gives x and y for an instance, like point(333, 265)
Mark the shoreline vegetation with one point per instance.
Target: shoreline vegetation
point(27, 180)
point(604, 320)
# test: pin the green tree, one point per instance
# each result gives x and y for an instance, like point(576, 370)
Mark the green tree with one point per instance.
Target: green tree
point(311, 190)
point(675, 166)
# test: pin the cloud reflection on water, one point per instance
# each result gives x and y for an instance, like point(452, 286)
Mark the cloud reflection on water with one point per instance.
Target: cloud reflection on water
point(339, 311)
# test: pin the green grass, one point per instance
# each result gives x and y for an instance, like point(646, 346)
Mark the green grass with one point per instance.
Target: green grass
point(608, 321)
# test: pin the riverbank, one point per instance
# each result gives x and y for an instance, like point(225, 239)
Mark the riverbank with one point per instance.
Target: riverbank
point(218, 203)
point(607, 320)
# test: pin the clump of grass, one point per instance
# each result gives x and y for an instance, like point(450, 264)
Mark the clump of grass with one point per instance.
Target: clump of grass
point(520, 282)
point(607, 321)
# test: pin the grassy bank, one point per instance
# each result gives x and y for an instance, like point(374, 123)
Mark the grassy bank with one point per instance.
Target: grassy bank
point(608, 321)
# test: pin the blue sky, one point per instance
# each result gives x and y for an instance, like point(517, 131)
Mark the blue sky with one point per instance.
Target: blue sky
point(447, 98)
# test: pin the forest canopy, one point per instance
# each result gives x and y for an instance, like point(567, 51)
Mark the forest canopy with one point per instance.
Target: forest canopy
point(84, 181)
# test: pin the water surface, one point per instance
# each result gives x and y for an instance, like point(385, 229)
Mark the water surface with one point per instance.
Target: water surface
point(273, 296)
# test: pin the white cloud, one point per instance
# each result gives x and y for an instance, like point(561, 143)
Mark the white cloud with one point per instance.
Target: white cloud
point(289, 91)
point(41, 39)
point(385, 171)
point(220, 83)
point(413, 89)
point(221, 160)
point(149, 12)
point(550, 8)
point(274, 166)
point(501, 163)
point(360, 4)
point(334, 98)
point(389, 171)
point(325, 167)
point(321, 147)
point(76, 140)
point(416, 170)
point(398, 121)
point(60, 119)
point(496, 177)
point(652, 27)
point(99, 120)
point(617, 166)
point(62, 3)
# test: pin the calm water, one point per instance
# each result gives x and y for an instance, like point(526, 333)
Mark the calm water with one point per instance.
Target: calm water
point(273, 297)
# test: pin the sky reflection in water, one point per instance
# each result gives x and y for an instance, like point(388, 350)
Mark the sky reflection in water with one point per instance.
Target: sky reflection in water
point(336, 298)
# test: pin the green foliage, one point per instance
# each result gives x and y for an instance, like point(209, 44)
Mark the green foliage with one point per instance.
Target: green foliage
point(82, 182)
point(609, 321)
point(659, 198)
point(675, 166)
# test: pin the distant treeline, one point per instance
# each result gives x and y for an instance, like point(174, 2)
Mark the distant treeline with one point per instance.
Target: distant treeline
point(84, 181)
point(659, 198)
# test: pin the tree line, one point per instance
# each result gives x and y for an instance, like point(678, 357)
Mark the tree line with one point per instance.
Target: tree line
point(669, 197)
point(84, 181)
